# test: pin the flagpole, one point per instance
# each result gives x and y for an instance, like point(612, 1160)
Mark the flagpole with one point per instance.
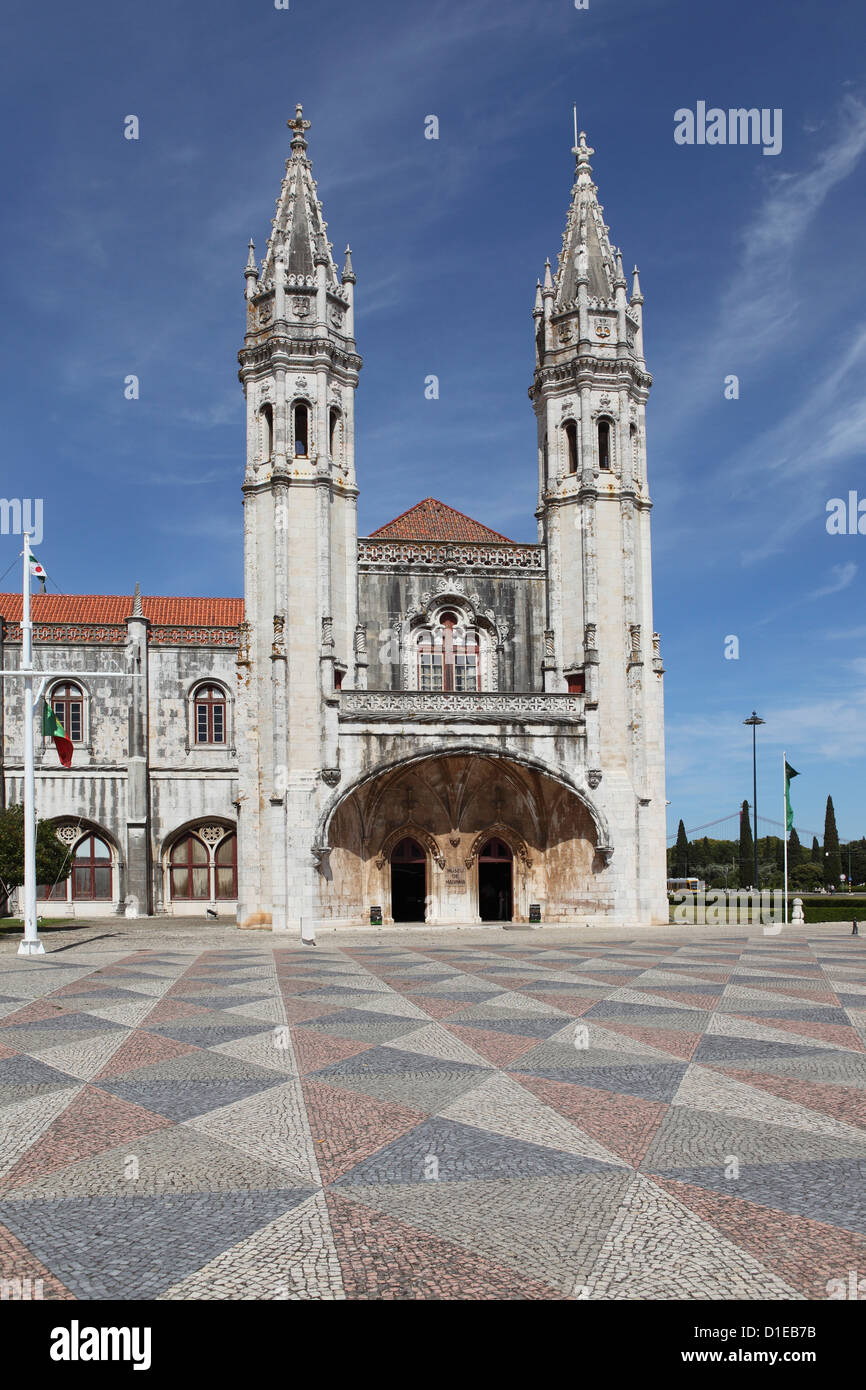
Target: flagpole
point(785, 824)
point(30, 945)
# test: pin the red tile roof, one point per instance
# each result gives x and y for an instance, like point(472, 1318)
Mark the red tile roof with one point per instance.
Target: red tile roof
point(434, 521)
point(116, 608)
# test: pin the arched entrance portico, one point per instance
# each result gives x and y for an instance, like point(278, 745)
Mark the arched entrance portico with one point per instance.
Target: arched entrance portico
point(491, 836)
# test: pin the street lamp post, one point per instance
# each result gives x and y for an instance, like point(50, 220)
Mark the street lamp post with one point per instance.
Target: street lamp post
point(753, 721)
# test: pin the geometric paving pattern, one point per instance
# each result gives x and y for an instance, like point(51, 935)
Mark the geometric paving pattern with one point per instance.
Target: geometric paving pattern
point(676, 1117)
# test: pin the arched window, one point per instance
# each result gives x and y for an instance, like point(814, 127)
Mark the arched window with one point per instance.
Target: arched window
point(91, 869)
point(571, 444)
point(67, 702)
point(266, 416)
point(210, 715)
point(226, 870)
point(448, 657)
point(635, 450)
point(335, 435)
point(544, 453)
point(604, 444)
point(189, 869)
point(301, 428)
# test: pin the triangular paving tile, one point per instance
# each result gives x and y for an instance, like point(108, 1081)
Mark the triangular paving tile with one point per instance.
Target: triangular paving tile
point(270, 1126)
point(317, 1050)
point(715, 1091)
point(17, 1262)
point(805, 1254)
point(347, 1128)
point(409, 1264)
point(624, 1124)
point(674, 1042)
point(22, 1122)
point(700, 1263)
point(456, 1152)
point(536, 1227)
point(500, 1048)
point(142, 1049)
point(504, 1107)
point(91, 1123)
point(845, 1103)
point(292, 1258)
point(135, 1247)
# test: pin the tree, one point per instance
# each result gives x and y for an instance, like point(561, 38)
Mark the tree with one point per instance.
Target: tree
point(52, 858)
point(747, 850)
point(832, 856)
point(807, 877)
point(795, 849)
point(681, 853)
point(816, 850)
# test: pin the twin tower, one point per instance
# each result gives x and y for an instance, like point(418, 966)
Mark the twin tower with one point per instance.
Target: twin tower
point(437, 724)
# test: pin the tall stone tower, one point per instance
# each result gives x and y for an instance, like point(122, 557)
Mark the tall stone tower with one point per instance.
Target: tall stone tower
point(589, 394)
point(301, 640)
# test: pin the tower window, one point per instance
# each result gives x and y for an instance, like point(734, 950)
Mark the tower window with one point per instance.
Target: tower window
point(604, 444)
point(635, 451)
point(267, 429)
point(334, 435)
point(571, 445)
point(301, 414)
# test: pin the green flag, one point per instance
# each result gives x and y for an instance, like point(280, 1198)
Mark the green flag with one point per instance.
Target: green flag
point(790, 774)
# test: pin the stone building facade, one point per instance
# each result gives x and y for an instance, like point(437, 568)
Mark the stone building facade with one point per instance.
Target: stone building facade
point(431, 723)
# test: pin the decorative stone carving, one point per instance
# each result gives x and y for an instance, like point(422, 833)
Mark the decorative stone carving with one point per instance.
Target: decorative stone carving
point(504, 832)
point(330, 775)
point(301, 307)
point(278, 646)
point(361, 642)
point(336, 316)
point(211, 834)
point(590, 636)
point(634, 641)
point(483, 705)
point(432, 553)
point(327, 632)
point(593, 777)
point(67, 834)
point(414, 832)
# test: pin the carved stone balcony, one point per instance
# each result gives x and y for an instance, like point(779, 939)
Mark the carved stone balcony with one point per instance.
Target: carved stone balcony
point(438, 707)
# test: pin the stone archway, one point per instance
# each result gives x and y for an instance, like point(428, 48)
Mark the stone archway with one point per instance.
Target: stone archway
point(452, 804)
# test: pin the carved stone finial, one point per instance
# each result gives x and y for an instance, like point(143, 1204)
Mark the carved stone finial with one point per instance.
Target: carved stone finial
point(299, 126)
point(137, 610)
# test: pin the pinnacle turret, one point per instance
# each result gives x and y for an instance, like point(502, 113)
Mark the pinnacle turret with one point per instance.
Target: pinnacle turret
point(298, 223)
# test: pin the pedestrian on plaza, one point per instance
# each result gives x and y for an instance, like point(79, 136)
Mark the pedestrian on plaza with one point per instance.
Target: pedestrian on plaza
point(856, 928)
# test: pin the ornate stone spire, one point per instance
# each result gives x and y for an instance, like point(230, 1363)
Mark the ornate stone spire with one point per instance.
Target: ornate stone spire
point(137, 610)
point(586, 249)
point(298, 223)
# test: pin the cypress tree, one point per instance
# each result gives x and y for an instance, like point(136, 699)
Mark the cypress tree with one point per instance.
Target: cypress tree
point(816, 850)
point(747, 849)
point(832, 856)
point(681, 853)
point(795, 849)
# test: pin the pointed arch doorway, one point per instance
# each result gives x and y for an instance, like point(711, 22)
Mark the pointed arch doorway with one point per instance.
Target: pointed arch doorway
point(408, 882)
point(495, 882)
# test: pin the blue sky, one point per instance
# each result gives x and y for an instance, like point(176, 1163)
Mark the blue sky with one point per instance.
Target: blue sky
point(126, 257)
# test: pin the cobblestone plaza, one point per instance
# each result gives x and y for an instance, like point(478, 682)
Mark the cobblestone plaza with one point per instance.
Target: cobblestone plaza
point(475, 1115)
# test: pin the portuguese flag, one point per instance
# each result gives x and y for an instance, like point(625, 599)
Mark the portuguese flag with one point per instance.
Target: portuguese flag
point(52, 728)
